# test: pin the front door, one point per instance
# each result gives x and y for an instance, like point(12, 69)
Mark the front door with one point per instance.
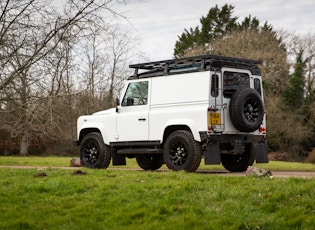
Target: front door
point(133, 114)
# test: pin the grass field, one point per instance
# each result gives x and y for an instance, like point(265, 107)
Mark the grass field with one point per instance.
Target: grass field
point(55, 161)
point(111, 199)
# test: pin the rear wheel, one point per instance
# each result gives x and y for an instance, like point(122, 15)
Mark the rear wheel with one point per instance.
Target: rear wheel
point(239, 162)
point(182, 152)
point(149, 161)
point(94, 153)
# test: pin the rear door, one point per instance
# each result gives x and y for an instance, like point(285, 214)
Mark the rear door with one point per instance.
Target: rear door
point(216, 110)
point(232, 81)
point(224, 83)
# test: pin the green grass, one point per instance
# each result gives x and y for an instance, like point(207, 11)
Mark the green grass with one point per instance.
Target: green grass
point(35, 161)
point(287, 166)
point(111, 199)
point(53, 161)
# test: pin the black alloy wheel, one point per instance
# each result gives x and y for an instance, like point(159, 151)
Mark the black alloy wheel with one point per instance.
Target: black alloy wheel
point(94, 153)
point(246, 110)
point(182, 152)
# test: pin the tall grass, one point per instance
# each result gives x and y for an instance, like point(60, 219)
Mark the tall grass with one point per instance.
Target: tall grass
point(108, 199)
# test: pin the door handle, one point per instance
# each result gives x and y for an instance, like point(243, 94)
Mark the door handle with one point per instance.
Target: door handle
point(141, 119)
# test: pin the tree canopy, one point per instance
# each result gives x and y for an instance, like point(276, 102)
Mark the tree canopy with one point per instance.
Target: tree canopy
point(218, 22)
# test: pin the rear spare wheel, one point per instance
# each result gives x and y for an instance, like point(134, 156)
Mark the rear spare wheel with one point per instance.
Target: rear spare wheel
point(246, 110)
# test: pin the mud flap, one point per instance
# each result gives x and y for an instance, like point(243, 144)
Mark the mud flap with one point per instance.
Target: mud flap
point(212, 154)
point(261, 151)
point(117, 159)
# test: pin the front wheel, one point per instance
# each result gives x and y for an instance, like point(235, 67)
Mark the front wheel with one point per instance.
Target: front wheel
point(182, 152)
point(149, 161)
point(94, 153)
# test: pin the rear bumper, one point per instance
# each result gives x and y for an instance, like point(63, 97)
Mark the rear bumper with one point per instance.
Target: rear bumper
point(235, 144)
point(237, 139)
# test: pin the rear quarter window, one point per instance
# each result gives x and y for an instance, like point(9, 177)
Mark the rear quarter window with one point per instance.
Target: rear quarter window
point(257, 85)
point(233, 81)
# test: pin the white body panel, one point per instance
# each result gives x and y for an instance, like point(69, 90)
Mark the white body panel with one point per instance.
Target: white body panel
point(179, 100)
point(133, 123)
point(104, 121)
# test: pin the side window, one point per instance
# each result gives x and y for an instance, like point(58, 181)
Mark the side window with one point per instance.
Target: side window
point(257, 85)
point(214, 85)
point(233, 81)
point(136, 94)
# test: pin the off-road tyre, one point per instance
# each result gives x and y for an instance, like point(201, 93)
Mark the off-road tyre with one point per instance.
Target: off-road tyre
point(246, 110)
point(94, 153)
point(239, 162)
point(182, 152)
point(150, 161)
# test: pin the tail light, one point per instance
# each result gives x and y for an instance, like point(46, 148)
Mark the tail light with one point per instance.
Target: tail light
point(262, 130)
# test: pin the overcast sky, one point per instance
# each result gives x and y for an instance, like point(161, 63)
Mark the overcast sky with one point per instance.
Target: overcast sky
point(159, 22)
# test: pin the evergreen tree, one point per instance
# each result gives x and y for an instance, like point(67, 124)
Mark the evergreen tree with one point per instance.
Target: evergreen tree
point(250, 23)
point(293, 94)
point(217, 23)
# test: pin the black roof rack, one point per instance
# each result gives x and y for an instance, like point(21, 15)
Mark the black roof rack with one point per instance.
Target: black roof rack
point(199, 62)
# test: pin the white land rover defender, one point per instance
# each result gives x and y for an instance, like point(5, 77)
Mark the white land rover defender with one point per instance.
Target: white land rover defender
point(178, 111)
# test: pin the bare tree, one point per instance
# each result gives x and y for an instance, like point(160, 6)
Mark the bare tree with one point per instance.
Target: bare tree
point(105, 66)
point(35, 18)
point(31, 33)
point(122, 49)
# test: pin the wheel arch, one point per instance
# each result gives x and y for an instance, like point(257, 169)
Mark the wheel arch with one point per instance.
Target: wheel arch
point(172, 128)
point(86, 131)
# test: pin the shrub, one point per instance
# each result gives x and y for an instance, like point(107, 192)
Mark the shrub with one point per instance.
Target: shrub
point(311, 157)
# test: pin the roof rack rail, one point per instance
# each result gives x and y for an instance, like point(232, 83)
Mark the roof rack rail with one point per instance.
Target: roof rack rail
point(195, 62)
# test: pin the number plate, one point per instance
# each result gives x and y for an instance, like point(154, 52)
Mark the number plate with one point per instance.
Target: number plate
point(214, 118)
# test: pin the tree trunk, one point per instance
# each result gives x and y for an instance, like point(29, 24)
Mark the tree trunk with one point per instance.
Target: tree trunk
point(25, 142)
